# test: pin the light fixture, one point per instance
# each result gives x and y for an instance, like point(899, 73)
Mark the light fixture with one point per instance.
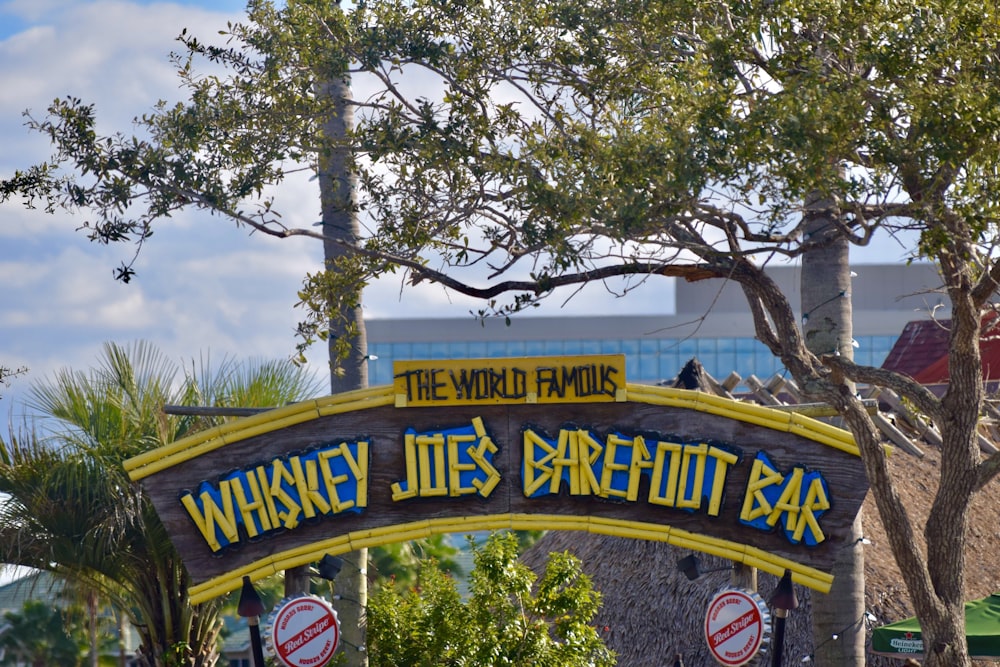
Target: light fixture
point(690, 566)
point(329, 567)
point(782, 600)
point(251, 607)
point(784, 596)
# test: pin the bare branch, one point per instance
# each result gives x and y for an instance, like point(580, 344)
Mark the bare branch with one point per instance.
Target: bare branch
point(922, 397)
point(691, 273)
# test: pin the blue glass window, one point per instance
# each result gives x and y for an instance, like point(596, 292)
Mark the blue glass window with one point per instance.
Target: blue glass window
point(534, 348)
point(496, 349)
point(380, 370)
point(631, 367)
point(670, 364)
point(687, 348)
point(553, 348)
point(649, 346)
point(515, 348)
point(401, 351)
point(648, 368)
point(648, 360)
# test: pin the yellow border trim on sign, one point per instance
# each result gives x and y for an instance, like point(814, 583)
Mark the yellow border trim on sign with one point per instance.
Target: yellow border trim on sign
point(163, 458)
point(186, 449)
point(740, 553)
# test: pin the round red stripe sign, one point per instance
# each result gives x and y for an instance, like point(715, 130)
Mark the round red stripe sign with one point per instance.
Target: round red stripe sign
point(304, 632)
point(735, 626)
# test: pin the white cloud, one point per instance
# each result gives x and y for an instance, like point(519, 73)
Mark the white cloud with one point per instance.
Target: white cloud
point(203, 285)
point(112, 54)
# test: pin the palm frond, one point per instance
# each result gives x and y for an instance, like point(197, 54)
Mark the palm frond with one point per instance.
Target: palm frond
point(67, 505)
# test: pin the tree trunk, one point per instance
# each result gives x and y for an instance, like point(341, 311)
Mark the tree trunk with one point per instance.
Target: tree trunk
point(828, 329)
point(338, 190)
point(943, 614)
point(123, 635)
point(92, 627)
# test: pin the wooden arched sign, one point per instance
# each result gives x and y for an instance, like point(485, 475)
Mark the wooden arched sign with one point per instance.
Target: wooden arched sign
point(528, 443)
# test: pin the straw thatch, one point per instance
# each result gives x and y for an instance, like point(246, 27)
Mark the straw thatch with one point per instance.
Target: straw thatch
point(651, 610)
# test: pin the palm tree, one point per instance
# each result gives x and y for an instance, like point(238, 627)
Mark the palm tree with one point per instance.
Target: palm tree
point(40, 635)
point(71, 509)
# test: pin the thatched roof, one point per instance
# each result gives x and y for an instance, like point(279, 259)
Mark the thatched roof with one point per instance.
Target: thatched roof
point(651, 610)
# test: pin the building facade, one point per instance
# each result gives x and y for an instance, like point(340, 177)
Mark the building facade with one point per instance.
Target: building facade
point(711, 322)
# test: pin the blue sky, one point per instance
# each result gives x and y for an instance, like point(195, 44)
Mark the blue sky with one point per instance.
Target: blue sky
point(19, 15)
point(203, 286)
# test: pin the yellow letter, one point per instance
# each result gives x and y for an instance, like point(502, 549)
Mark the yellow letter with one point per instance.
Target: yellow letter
point(723, 460)
point(455, 469)
point(431, 455)
point(815, 500)
point(788, 502)
point(610, 466)
point(665, 451)
point(213, 518)
point(248, 509)
point(754, 503)
point(478, 455)
point(412, 485)
point(533, 483)
point(588, 451)
point(290, 517)
point(565, 458)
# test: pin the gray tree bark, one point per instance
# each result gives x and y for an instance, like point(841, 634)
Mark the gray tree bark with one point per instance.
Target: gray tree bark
point(338, 192)
point(828, 329)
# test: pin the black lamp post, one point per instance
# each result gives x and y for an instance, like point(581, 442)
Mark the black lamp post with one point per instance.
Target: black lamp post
point(783, 600)
point(251, 607)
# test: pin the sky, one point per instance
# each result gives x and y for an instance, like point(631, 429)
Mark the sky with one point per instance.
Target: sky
point(203, 286)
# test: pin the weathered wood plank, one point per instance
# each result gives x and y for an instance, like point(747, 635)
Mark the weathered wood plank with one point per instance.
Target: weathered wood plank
point(384, 428)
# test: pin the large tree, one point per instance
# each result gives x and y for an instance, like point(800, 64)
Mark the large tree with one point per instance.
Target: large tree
point(513, 147)
point(69, 507)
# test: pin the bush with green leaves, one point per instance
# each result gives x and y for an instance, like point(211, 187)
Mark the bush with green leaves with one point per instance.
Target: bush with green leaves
point(512, 617)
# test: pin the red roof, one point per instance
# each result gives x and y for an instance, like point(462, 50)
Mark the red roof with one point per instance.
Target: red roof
point(921, 351)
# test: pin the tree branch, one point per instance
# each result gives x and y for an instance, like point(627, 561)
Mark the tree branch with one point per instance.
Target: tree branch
point(691, 273)
point(925, 401)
